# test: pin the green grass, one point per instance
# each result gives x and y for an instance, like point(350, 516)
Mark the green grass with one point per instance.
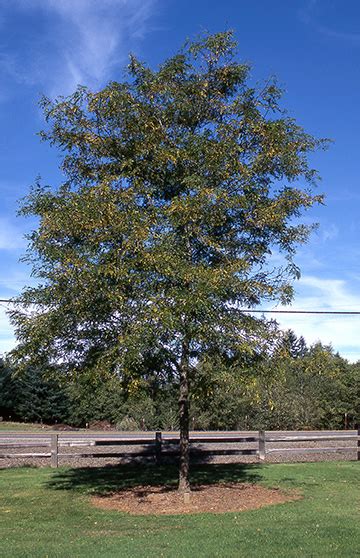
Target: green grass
point(22, 426)
point(46, 513)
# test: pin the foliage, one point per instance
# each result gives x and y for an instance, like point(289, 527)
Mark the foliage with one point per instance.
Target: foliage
point(138, 414)
point(39, 397)
point(169, 211)
point(308, 391)
point(94, 398)
point(351, 383)
point(33, 394)
point(288, 389)
point(179, 184)
point(8, 392)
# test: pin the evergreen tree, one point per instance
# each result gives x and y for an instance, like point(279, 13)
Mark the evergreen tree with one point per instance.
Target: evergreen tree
point(40, 398)
point(8, 391)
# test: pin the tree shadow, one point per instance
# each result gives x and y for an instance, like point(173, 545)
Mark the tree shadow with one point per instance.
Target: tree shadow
point(115, 478)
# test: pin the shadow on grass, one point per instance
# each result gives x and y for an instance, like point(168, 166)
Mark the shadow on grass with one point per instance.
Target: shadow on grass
point(114, 478)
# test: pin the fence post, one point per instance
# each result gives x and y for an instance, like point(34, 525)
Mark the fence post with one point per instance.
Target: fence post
point(358, 443)
point(262, 449)
point(54, 450)
point(158, 444)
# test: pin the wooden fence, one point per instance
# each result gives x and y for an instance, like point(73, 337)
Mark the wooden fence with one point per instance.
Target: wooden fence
point(162, 447)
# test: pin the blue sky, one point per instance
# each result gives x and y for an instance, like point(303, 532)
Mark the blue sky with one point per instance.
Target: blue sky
point(312, 46)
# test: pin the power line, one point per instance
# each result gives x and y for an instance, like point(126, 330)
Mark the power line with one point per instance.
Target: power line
point(250, 311)
point(341, 312)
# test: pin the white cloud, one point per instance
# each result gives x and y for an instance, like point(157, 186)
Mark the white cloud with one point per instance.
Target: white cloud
point(341, 331)
point(14, 280)
point(11, 238)
point(314, 13)
point(82, 42)
point(314, 293)
point(330, 232)
point(7, 339)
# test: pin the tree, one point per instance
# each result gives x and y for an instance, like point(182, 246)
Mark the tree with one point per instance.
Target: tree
point(179, 184)
point(40, 397)
point(302, 387)
point(291, 345)
point(8, 391)
point(352, 384)
point(95, 398)
point(31, 394)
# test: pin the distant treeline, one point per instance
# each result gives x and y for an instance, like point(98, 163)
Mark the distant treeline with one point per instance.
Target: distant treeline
point(294, 387)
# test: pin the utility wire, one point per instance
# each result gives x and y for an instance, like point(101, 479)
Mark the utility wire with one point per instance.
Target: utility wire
point(302, 312)
point(250, 311)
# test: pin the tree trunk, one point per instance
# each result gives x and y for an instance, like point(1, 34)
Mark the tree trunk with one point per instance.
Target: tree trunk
point(184, 484)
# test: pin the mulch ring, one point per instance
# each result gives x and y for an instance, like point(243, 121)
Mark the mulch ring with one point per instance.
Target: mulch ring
point(215, 498)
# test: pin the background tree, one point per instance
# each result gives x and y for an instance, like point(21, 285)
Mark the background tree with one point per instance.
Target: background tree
point(352, 385)
point(8, 391)
point(179, 183)
point(32, 394)
point(94, 398)
point(40, 397)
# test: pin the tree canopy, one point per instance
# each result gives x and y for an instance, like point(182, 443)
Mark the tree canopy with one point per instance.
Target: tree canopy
point(180, 182)
point(293, 387)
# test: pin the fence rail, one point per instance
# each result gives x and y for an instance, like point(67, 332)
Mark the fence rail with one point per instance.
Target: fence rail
point(163, 446)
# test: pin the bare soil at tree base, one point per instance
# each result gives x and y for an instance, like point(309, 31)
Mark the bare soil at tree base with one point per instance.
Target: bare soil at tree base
point(215, 498)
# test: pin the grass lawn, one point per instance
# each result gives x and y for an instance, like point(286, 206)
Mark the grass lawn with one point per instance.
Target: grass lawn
point(22, 426)
point(46, 513)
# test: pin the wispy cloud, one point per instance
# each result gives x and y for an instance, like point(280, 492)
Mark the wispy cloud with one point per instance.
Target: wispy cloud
point(314, 293)
point(7, 339)
point(330, 232)
point(11, 285)
point(11, 238)
point(83, 41)
point(313, 13)
point(14, 280)
point(353, 38)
